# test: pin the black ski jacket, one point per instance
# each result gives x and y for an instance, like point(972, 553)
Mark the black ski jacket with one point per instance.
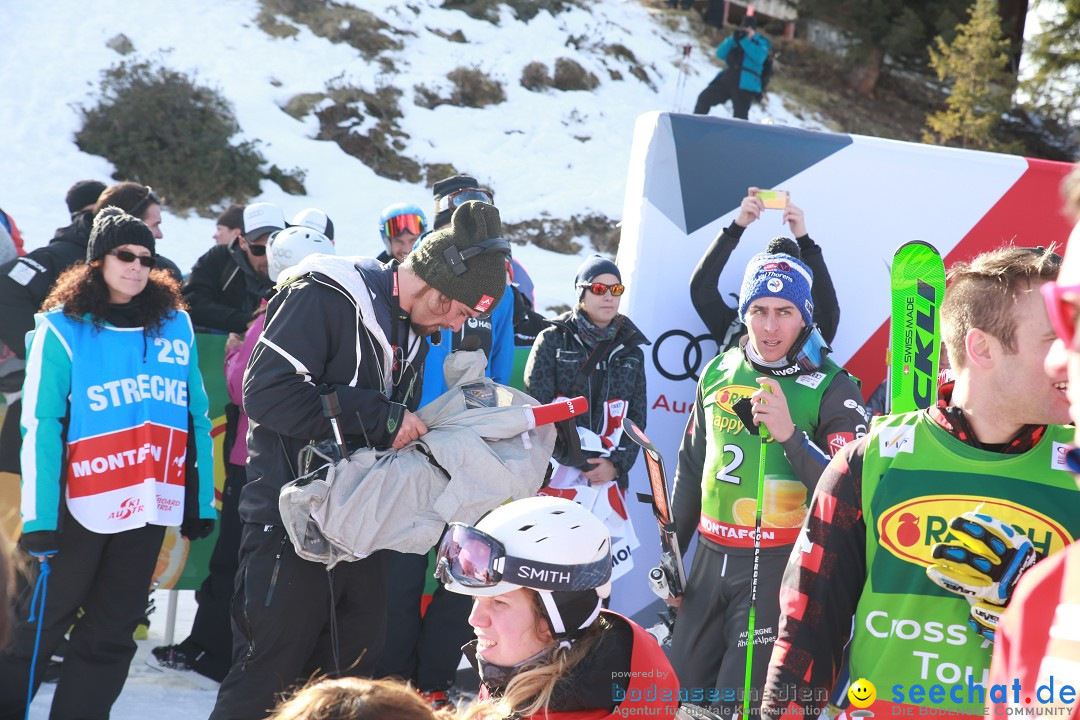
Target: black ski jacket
point(552, 369)
point(316, 340)
point(722, 319)
point(222, 290)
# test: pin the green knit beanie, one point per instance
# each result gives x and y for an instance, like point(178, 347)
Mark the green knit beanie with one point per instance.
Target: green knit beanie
point(481, 278)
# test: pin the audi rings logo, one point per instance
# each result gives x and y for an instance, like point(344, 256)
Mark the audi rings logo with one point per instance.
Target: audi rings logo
point(678, 355)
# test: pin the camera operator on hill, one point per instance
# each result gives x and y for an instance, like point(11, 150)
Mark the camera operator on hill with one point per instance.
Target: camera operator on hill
point(744, 54)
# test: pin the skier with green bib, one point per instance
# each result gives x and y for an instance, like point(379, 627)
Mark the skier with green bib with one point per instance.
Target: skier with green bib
point(811, 407)
point(920, 530)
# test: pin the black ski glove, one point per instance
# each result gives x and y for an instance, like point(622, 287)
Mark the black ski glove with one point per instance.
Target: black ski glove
point(40, 542)
point(196, 528)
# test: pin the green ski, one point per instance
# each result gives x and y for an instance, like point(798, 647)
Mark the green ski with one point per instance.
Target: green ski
point(917, 282)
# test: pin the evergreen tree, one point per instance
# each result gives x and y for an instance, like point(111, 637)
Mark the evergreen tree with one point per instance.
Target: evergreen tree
point(976, 67)
point(899, 28)
point(1055, 57)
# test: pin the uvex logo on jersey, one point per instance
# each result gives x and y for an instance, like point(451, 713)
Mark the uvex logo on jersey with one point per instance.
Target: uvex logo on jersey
point(725, 397)
point(910, 529)
point(126, 458)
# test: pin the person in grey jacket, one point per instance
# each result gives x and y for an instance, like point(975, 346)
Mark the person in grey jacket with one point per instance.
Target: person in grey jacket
point(594, 351)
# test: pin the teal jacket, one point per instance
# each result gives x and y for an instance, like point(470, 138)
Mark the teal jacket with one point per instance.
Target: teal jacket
point(754, 52)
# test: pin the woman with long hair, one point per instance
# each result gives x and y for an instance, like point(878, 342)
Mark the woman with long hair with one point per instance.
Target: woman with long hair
point(540, 569)
point(115, 431)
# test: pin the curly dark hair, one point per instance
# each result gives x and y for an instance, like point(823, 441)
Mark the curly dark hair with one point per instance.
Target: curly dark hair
point(82, 290)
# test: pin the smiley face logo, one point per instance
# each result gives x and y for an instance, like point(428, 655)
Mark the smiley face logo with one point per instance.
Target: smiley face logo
point(862, 693)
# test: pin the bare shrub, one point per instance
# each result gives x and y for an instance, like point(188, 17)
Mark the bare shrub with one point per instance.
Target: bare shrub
point(535, 77)
point(570, 75)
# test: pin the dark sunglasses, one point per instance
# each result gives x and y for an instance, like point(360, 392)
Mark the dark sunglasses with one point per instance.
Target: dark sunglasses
point(601, 289)
point(147, 261)
point(1062, 311)
point(256, 250)
point(151, 197)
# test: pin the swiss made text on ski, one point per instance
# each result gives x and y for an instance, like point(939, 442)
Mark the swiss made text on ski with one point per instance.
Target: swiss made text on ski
point(669, 579)
point(918, 287)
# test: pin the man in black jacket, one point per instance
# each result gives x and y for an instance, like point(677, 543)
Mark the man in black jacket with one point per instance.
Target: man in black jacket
point(226, 285)
point(355, 328)
point(24, 284)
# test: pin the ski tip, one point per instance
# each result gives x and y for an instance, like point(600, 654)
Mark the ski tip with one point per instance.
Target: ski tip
point(914, 243)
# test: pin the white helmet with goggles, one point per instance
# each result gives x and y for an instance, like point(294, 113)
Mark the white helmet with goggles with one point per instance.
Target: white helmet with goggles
point(551, 545)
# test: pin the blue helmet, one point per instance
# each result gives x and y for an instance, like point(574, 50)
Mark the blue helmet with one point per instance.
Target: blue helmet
point(397, 209)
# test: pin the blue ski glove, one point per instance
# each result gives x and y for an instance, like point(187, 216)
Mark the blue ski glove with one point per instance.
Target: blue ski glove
point(985, 567)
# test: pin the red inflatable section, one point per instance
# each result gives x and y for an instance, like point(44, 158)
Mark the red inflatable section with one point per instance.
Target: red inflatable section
point(1030, 211)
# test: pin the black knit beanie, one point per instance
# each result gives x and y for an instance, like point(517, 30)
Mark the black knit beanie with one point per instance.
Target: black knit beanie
point(83, 193)
point(112, 228)
point(483, 283)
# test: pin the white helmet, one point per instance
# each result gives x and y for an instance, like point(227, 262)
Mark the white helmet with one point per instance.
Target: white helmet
point(315, 219)
point(551, 545)
point(291, 245)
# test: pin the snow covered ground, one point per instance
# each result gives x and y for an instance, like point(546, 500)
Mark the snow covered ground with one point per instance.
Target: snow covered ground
point(559, 153)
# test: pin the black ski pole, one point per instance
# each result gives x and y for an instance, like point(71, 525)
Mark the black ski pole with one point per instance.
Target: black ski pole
point(331, 410)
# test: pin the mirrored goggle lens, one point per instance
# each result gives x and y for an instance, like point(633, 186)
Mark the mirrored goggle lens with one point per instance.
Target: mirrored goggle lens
point(601, 288)
point(467, 556)
point(811, 355)
point(460, 197)
point(409, 222)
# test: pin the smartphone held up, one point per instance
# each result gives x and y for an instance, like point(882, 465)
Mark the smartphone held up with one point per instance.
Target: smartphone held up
point(773, 199)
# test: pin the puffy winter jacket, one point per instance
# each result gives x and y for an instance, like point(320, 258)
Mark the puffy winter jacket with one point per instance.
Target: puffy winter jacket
point(552, 371)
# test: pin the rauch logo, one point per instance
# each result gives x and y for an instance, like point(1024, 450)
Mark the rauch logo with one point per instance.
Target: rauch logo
point(910, 529)
point(731, 394)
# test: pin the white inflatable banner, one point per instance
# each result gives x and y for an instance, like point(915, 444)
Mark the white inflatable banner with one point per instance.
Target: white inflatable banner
point(862, 198)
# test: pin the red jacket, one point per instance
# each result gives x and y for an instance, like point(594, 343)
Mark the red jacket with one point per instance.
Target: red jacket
point(1034, 640)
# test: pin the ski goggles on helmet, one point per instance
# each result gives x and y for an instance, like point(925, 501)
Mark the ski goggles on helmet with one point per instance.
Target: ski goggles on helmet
point(809, 350)
point(474, 559)
point(601, 288)
point(404, 223)
point(460, 197)
point(1062, 310)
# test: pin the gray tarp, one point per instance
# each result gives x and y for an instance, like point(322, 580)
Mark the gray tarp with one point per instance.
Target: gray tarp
point(478, 433)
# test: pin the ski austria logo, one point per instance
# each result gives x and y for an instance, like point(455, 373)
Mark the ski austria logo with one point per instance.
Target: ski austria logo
point(910, 529)
point(895, 440)
point(128, 507)
point(775, 285)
